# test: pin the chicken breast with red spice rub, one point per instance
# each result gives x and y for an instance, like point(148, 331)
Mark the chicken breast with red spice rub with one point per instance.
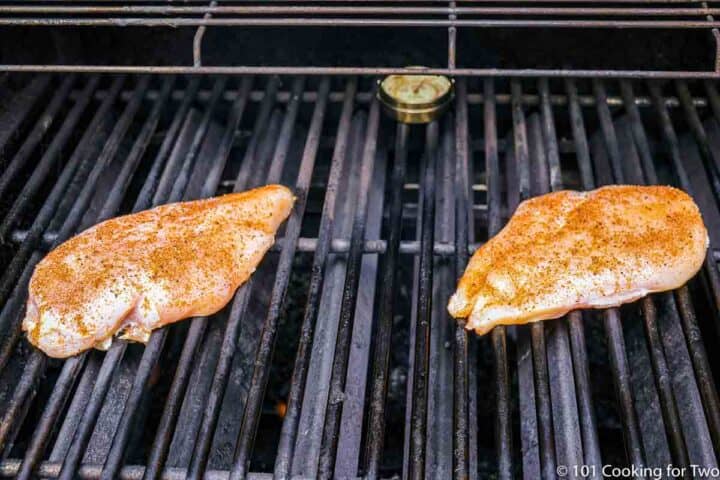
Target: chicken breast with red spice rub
point(135, 273)
point(568, 250)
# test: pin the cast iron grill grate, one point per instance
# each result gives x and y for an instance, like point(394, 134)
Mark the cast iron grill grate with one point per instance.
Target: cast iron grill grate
point(338, 358)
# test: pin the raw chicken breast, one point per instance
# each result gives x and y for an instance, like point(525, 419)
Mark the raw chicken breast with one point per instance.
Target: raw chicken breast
point(136, 273)
point(569, 250)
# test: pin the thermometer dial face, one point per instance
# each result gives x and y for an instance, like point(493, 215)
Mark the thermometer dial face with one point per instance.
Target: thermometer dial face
point(416, 89)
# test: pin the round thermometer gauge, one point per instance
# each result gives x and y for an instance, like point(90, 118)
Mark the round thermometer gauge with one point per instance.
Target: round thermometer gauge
point(415, 98)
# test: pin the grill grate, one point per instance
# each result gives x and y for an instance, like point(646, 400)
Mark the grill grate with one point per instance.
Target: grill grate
point(372, 377)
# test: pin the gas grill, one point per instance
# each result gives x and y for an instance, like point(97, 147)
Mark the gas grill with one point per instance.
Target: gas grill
point(338, 359)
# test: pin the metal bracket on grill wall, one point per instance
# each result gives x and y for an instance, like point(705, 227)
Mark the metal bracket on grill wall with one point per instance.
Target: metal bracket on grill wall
point(198, 38)
point(716, 37)
point(452, 37)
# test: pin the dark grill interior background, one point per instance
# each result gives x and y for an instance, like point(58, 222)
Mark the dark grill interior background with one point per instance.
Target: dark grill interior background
point(338, 357)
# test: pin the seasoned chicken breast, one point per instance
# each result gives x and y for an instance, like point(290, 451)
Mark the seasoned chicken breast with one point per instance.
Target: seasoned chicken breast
point(569, 250)
point(136, 273)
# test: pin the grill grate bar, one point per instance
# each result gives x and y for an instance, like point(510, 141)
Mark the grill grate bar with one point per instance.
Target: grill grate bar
point(90, 414)
point(711, 272)
point(706, 153)
point(419, 367)
point(109, 150)
point(559, 359)
point(336, 394)
point(466, 168)
point(441, 381)
point(49, 158)
point(657, 353)
point(175, 161)
point(244, 176)
point(461, 368)
point(590, 443)
point(47, 422)
point(374, 71)
point(329, 2)
point(535, 436)
point(179, 186)
point(529, 164)
point(164, 434)
point(50, 469)
point(638, 132)
point(662, 379)
point(611, 317)
point(687, 312)
point(10, 315)
point(43, 124)
point(353, 418)
point(375, 432)
point(473, 98)
point(700, 363)
point(713, 98)
point(287, 461)
point(451, 11)
point(503, 427)
point(621, 374)
point(236, 114)
point(670, 412)
point(261, 366)
point(539, 346)
point(357, 22)
point(20, 107)
point(289, 428)
point(310, 244)
point(222, 370)
point(351, 22)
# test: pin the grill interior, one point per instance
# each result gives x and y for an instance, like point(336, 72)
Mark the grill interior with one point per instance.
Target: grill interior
point(370, 37)
point(338, 358)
